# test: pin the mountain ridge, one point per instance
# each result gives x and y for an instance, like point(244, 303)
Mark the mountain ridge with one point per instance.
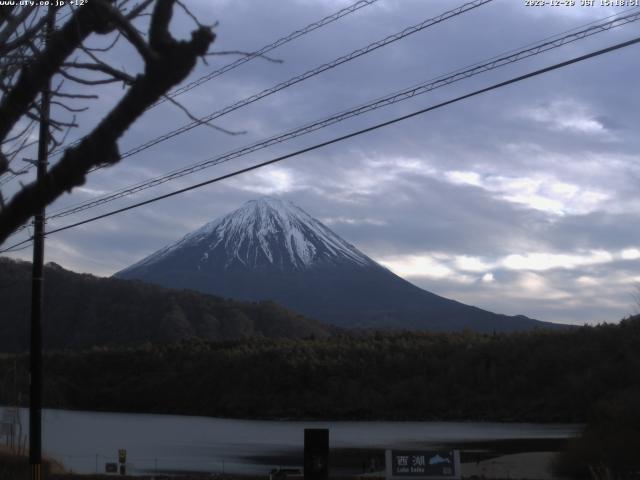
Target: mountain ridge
point(272, 249)
point(83, 311)
point(248, 236)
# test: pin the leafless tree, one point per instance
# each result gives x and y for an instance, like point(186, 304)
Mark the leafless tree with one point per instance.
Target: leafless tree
point(28, 63)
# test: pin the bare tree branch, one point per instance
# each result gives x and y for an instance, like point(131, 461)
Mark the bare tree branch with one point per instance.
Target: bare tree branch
point(13, 24)
point(55, 143)
point(25, 144)
point(23, 38)
point(34, 77)
point(100, 67)
point(107, 48)
point(4, 163)
point(201, 122)
point(138, 9)
point(123, 24)
point(68, 108)
point(86, 81)
point(245, 54)
point(159, 36)
point(5, 13)
point(191, 15)
point(175, 59)
point(75, 95)
point(20, 133)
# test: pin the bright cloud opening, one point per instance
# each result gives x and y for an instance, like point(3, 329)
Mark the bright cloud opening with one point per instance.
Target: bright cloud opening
point(409, 266)
point(548, 261)
point(275, 180)
point(566, 115)
point(471, 264)
point(630, 254)
point(540, 192)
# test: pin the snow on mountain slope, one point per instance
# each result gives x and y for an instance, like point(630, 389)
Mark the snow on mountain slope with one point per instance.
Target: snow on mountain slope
point(264, 231)
point(270, 249)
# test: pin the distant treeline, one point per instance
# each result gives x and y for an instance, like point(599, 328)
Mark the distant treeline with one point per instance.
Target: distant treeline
point(82, 310)
point(533, 376)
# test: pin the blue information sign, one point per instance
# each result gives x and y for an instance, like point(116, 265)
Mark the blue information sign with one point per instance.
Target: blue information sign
point(423, 464)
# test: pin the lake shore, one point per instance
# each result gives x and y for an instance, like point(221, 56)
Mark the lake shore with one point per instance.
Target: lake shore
point(531, 459)
point(84, 442)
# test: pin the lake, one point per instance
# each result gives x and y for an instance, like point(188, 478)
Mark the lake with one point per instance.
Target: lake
point(85, 441)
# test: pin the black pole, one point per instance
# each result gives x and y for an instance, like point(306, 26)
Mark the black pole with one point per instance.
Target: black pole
point(37, 280)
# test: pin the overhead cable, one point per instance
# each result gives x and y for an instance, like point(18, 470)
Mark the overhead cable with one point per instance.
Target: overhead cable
point(238, 62)
point(267, 48)
point(495, 86)
point(299, 78)
point(390, 99)
point(310, 73)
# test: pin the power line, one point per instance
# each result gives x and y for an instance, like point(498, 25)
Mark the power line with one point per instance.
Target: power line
point(18, 246)
point(267, 48)
point(235, 64)
point(390, 99)
point(495, 86)
point(262, 51)
point(310, 73)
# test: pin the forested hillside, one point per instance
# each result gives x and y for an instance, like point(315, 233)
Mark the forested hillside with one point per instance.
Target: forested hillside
point(537, 376)
point(82, 311)
point(270, 248)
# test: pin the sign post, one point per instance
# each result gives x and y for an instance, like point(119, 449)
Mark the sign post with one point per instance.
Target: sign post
point(422, 464)
point(122, 459)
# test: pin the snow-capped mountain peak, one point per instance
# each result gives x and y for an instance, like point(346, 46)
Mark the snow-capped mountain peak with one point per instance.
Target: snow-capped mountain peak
point(263, 232)
point(270, 249)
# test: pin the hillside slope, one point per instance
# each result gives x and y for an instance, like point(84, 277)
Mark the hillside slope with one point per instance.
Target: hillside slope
point(272, 249)
point(82, 310)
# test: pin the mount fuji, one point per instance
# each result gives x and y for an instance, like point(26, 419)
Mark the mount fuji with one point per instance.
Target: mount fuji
point(272, 249)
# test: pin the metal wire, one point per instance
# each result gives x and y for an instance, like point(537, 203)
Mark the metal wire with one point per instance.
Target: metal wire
point(316, 71)
point(495, 86)
point(308, 74)
point(357, 133)
point(267, 48)
point(356, 111)
point(252, 56)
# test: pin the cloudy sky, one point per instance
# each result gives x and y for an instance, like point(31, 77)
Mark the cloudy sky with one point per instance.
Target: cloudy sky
point(523, 200)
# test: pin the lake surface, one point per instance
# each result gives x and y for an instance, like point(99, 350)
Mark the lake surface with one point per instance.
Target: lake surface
point(85, 441)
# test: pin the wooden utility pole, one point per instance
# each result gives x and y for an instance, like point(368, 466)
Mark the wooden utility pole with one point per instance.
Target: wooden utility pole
point(37, 280)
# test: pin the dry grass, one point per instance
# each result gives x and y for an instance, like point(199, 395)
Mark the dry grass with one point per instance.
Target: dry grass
point(16, 467)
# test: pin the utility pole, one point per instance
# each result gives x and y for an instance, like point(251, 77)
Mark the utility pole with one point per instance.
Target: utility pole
point(37, 280)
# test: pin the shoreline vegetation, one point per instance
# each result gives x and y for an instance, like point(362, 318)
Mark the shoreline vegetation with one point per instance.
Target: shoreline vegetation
point(587, 375)
point(536, 376)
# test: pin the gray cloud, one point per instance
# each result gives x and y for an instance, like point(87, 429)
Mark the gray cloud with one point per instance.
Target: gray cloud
point(548, 167)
